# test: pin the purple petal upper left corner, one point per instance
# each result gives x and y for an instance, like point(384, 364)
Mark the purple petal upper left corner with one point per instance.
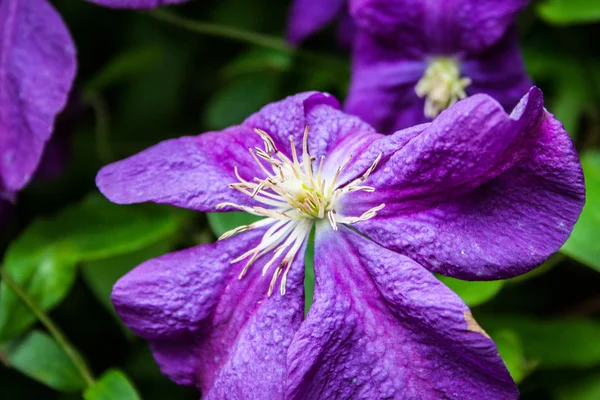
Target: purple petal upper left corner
point(37, 69)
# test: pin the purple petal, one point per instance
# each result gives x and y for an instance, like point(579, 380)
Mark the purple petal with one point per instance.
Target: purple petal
point(37, 69)
point(386, 77)
point(194, 172)
point(346, 30)
point(382, 88)
point(289, 117)
point(382, 326)
point(436, 26)
point(190, 172)
point(499, 72)
point(478, 194)
point(209, 328)
point(140, 4)
point(309, 16)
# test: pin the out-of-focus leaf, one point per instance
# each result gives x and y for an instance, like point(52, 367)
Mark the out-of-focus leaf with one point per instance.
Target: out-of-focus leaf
point(571, 85)
point(240, 98)
point(42, 260)
point(41, 358)
point(565, 12)
point(552, 343)
point(130, 63)
point(584, 245)
point(223, 222)
point(256, 61)
point(511, 350)
point(550, 263)
point(473, 293)
point(113, 385)
point(586, 387)
point(101, 275)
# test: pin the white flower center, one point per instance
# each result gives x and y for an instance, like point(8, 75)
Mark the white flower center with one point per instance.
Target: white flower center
point(441, 85)
point(294, 196)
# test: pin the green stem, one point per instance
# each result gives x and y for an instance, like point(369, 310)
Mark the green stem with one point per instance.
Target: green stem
point(241, 35)
point(101, 114)
point(54, 330)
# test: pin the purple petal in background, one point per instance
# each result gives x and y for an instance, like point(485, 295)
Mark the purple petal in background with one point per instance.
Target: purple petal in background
point(37, 68)
point(309, 16)
point(437, 25)
point(382, 89)
point(478, 194)
point(499, 72)
point(381, 326)
point(140, 4)
point(206, 327)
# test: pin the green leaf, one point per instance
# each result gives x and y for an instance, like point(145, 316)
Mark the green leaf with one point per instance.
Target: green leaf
point(511, 350)
point(570, 81)
point(556, 343)
point(41, 358)
point(101, 275)
point(473, 293)
point(565, 12)
point(123, 66)
point(257, 61)
point(232, 104)
point(223, 222)
point(113, 385)
point(583, 245)
point(586, 387)
point(42, 259)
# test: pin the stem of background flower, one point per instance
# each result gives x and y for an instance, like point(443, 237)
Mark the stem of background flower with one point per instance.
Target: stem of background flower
point(250, 37)
point(54, 330)
point(101, 114)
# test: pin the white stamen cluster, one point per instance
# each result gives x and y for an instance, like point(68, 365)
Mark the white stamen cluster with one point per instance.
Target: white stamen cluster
point(294, 196)
point(441, 85)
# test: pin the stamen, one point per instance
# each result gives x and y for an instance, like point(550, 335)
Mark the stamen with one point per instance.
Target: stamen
point(293, 197)
point(441, 85)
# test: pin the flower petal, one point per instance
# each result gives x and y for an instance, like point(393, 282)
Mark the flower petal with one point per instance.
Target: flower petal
point(478, 194)
point(140, 4)
point(37, 70)
point(208, 328)
point(437, 25)
point(194, 172)
point(290, 116)
point(499, 72)
point(382, 326)
point(386, 76)
point(190, 172)
point(382, 88)
point(309, 16)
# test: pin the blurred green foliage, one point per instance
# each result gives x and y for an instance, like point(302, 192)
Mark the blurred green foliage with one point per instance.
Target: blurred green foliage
point(143, 79)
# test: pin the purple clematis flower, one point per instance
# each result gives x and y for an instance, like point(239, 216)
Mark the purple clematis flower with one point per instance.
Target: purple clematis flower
point(476, 194)
point(415, 58)
point(37, 69)
point(309, 16)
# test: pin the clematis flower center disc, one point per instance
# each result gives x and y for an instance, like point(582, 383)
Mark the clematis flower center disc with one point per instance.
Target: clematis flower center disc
point(441, 85)
point(294, 195)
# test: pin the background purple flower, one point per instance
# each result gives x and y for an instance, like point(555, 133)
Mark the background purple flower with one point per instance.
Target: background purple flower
point(476, 194)
point(309, 16)
point(444, 50)
point(37, 70)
